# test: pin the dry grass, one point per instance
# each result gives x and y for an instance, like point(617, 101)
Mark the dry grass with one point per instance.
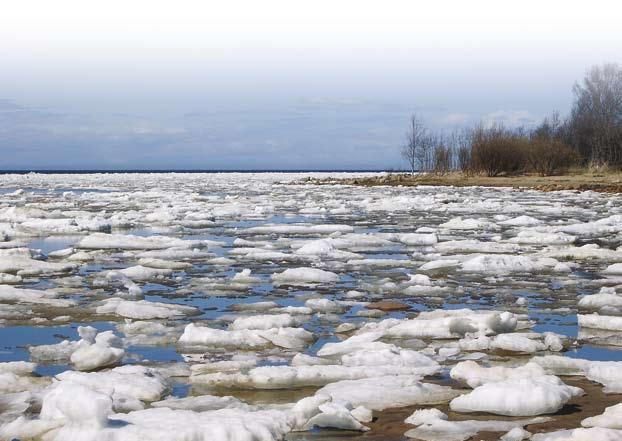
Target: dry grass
point(582, 180)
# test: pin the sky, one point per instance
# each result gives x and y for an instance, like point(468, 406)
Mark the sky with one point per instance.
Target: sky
point(274, 84)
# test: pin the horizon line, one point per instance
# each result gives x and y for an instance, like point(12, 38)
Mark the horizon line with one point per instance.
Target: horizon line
point(182, 170)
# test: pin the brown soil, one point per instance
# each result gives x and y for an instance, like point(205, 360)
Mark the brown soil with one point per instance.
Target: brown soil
point(579, 181)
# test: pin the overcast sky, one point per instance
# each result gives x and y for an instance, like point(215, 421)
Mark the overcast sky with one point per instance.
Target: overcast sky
point(279, 84)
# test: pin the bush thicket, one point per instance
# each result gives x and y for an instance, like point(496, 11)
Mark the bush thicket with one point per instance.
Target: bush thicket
point(496, 150)
point(590, 136)
point(550, 157)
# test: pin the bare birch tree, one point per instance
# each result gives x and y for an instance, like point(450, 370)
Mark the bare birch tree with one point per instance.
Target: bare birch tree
point(596, 118)
point(415, 150)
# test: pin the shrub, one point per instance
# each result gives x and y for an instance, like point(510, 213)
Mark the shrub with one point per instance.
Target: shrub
point(496, 150)
point(443, 159)
point(549, 157)
point(464, 159)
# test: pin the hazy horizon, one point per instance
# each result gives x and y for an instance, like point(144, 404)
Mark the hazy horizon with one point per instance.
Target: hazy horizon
point(277, 84)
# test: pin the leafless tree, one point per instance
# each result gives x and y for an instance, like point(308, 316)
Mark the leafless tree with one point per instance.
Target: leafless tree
point(416, 148)
point(596, 118)
point(552, 127)
point(463, 151)
point(443, 156)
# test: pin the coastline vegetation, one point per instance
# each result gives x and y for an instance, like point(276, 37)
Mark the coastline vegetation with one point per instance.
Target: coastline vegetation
point(590, 138)
point(581, 151)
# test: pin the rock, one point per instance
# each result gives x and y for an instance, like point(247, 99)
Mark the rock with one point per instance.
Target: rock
point(388, 305)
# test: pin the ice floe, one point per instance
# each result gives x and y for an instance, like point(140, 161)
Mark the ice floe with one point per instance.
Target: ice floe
point(433, 425)
point(517, 396)
point(295, 276)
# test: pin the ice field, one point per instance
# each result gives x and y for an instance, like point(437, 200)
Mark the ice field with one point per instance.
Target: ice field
point(260, 307)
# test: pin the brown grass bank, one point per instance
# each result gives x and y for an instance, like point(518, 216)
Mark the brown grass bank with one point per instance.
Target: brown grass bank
point(604, 182)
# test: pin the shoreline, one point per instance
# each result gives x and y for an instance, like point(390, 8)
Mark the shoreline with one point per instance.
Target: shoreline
point(580, 181)
point(389, 425)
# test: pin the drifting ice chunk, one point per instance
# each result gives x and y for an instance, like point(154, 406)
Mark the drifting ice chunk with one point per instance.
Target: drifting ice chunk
point(597, 321)
point(163, 264)
point(516, 343)
point(419, 280)
point(559, 365)
point(202, 403)
point(287, 377)
point(245, 277)
point(18, 295)
point(363, 414)
point(592, 434)
point(128, 383)
point(326, 249)
point(144, 310)
point(17, 367)
point(20, 261)
point(516, 434)
point(295, 276)
point(300, 229)
point(531, 237)
point(446, 324)
point(517, 397)
point(254, 307)
point(441, 264)
point(337, 416)
point(105, 349)
point(381, 263)
point(363, 341)
point(176, 252)
point(264, 322)
point(325, 306)
point(159, 424)
point(17, 376)
point(458, 223)
point(475, 375)
point(12, 405)
point(614, 269)
point(585, 252)
point(379, 393)
point(425, 416)
point(390, 356)
point(55, 352)
point(475, 246)
point(85, 409)
point(506, 263)
point(140, 273)
point(9, 279)
point(245, 338)
point(607, 300)
point(418, 239)
point(301, 359)
point(102, 241)
point(521, 221)
point(607, 373)
point(434, 426)
point(611, 418)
